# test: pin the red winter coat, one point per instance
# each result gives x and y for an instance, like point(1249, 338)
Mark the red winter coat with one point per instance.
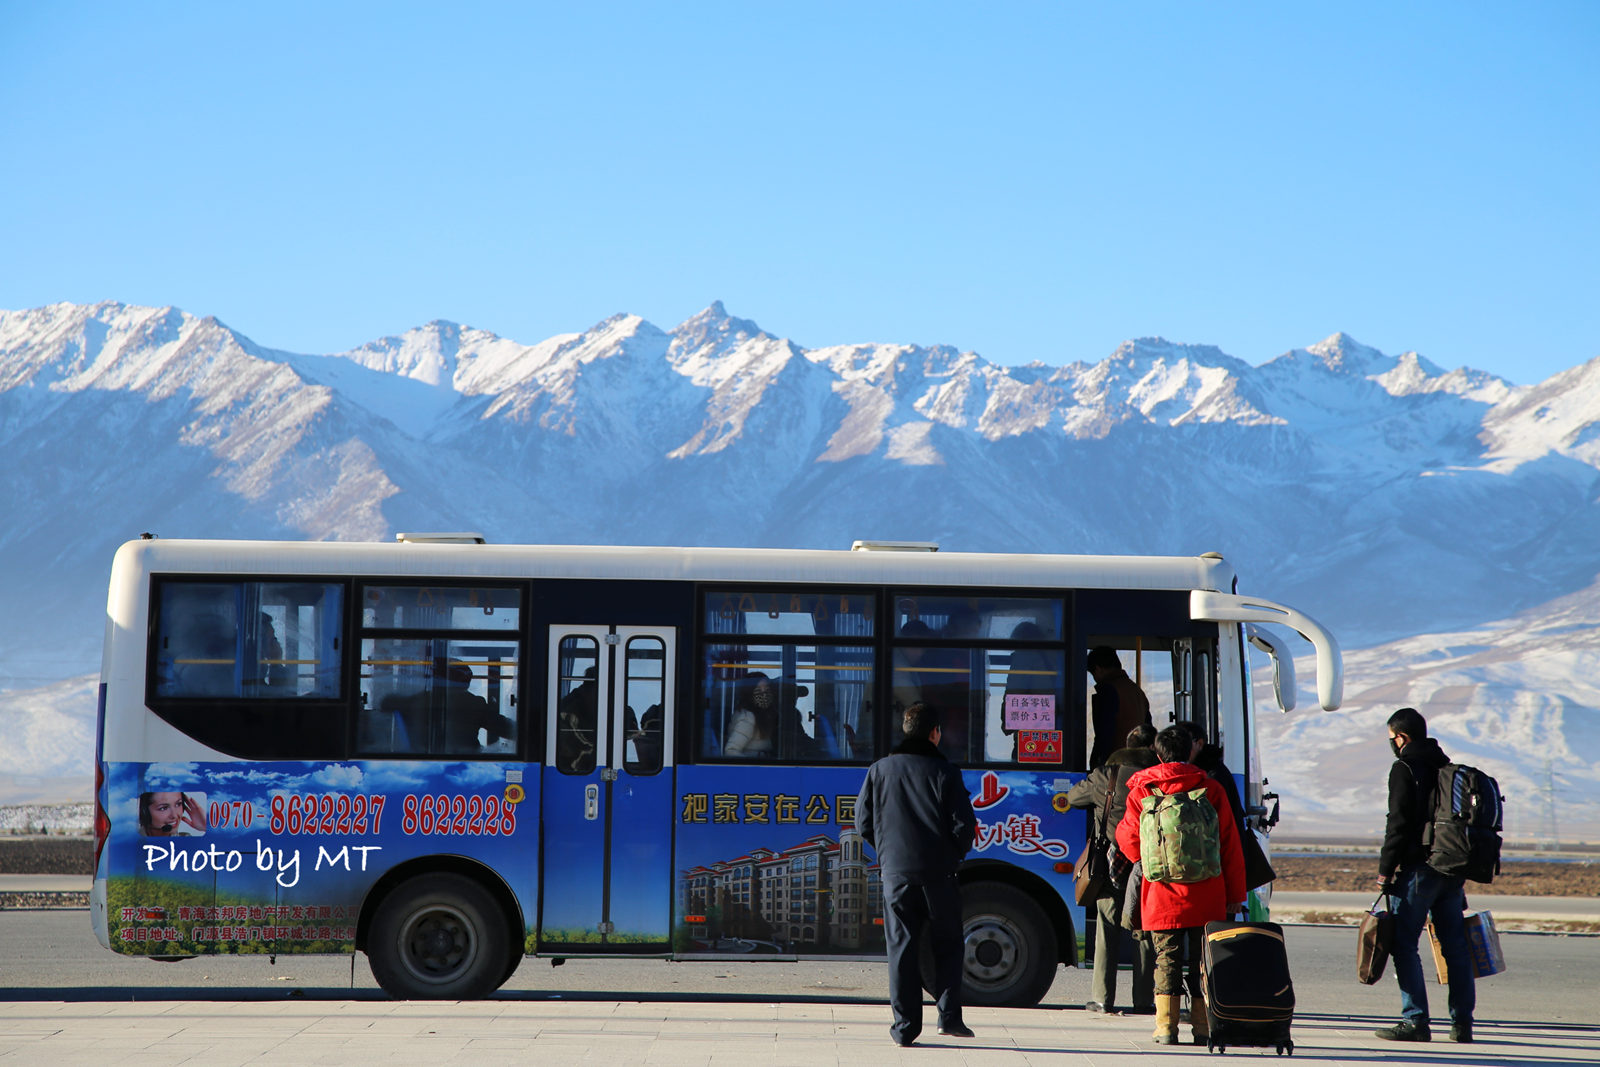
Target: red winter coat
point(1172, 905)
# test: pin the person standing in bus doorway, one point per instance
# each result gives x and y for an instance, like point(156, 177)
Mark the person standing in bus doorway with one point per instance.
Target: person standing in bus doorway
point(1208, 758)
point(1193, 840)
point(914, 810)
point(1111, 780)
point(1418, 889)
point(1117, 706)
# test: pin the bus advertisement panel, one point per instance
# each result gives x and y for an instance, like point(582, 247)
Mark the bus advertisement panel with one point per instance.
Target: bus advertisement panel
point(280, 857)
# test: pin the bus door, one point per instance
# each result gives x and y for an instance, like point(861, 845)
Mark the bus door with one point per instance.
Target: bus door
point(1194, 683)
point(607, 791)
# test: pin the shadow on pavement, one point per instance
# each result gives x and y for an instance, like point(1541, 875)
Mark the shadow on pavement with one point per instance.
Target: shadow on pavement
point(146, 994)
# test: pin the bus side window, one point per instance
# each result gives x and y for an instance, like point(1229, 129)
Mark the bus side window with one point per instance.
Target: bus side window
point(787, 676)
point(644, 686)
point(250, 640)
point(395, 696)
point(436, 696)
point(440, 669)
point(205, 661)
point(577, 706)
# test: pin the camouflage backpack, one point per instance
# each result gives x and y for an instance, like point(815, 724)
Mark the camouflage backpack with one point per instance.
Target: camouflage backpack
point(1178, 837)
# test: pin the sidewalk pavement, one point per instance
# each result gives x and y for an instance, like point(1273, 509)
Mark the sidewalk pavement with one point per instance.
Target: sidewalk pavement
point(481, 1033)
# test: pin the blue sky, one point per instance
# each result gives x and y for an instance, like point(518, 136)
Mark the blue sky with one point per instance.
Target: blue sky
point(1028, 181)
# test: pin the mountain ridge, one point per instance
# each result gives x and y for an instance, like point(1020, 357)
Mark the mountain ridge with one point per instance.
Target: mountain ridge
point(1387, 496)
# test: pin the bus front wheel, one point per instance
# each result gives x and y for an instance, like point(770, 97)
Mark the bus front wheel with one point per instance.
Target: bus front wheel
point(439, 937)
point(1008, 947)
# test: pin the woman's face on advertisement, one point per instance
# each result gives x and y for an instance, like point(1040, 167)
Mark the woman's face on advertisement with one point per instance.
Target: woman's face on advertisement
point(165, 811)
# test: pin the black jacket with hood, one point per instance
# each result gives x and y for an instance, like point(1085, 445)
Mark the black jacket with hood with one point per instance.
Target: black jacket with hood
point(1413, 780)
point(915, 812)
point(1123, 764)
point(1209, 759)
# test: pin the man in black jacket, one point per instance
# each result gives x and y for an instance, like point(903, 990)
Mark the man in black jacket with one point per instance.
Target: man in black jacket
point(1111, 780)
point(1418, 889)
point(914, 811)
point(1117, 704)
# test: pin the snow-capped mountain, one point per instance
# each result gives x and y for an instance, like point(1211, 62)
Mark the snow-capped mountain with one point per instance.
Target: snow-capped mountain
point(1383, 494)
point(1516, 697)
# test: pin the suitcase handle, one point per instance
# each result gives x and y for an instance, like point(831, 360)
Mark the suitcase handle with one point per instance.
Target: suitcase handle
point(1223, 935)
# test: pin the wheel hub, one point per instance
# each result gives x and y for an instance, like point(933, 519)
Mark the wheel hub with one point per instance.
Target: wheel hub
point(436, 945)
point(993, 951)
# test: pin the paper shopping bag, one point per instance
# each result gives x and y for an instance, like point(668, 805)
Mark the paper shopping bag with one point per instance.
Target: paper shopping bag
point(1373, 941)
point(1483, 942)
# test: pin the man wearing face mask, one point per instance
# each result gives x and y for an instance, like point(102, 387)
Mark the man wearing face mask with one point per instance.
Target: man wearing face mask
point(1418, 890)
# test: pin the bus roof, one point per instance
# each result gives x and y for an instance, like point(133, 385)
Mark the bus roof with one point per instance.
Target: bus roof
point(765, 565)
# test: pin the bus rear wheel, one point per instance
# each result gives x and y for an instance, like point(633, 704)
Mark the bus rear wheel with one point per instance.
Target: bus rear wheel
point(1008, 947)
point(439, 937)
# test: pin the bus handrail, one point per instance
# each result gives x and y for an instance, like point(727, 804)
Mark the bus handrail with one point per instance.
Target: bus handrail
point(1207, 605)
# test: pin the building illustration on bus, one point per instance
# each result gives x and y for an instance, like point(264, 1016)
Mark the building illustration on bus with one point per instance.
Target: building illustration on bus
point(451, 755)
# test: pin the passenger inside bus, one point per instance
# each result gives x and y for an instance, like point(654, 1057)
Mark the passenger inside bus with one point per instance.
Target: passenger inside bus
point(272, 673)
point(645, 738)
point(794, 740)
point(446, 698)
point(466, 714)
point(940, 677)
point(754, 729)
point(963, 716)
point(577, 719)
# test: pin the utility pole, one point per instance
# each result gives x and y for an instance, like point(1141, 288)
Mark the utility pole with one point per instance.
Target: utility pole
point(1550, 832)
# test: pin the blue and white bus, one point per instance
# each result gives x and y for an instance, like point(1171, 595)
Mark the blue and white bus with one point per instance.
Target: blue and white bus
point(450, 755)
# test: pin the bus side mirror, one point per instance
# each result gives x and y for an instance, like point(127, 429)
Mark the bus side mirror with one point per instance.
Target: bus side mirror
point(1266, 818)
point(1283, 681)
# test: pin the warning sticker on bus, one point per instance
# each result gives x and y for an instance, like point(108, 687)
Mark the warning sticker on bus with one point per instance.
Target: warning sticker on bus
point(1039, 746)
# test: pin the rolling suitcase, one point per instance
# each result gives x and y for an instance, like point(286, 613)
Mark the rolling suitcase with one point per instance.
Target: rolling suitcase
point(1249, 994)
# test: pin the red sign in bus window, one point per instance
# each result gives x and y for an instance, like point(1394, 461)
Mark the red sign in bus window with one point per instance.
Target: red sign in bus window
point(1039, 746)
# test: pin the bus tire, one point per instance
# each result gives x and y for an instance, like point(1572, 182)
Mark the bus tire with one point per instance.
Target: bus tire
point(1008, 947)
point(513, 961)
point(439, 937)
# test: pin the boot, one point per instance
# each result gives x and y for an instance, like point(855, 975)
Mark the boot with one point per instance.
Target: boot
point(1199, 1021)
point(1166, 1032)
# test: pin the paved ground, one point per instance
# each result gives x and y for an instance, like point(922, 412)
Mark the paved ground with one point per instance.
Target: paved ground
point(64, 1001)
point(622, 1032)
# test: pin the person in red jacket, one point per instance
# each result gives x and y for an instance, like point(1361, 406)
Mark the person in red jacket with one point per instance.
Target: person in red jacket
point(1176, 913)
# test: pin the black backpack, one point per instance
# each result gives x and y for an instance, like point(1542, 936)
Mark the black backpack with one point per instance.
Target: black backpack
point(1462, 838)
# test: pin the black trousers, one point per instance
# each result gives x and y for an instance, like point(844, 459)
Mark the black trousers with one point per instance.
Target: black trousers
point(909, 908)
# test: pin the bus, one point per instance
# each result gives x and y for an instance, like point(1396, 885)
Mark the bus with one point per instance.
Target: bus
point(452, 755)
